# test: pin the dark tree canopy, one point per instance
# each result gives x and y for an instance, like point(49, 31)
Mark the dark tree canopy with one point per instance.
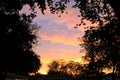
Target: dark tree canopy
point(102, 44)
point(90, 9)
point(16, 39)
point(93, 10)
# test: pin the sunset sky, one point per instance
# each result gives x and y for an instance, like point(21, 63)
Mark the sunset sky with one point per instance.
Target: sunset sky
point(58, 37)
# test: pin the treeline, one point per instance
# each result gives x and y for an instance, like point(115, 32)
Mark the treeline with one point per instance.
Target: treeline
point(77, 71)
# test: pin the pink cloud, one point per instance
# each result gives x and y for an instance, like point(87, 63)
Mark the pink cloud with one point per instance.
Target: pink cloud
point(71, 19)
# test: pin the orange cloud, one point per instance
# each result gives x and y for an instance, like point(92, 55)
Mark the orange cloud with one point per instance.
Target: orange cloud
point(71, 40)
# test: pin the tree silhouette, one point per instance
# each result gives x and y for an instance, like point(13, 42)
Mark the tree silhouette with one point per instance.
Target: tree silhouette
point(69, 68)
point(102, 45)
point(16, 39)
point(93, 10)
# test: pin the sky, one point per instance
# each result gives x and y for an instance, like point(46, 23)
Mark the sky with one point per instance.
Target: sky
point(58, 39)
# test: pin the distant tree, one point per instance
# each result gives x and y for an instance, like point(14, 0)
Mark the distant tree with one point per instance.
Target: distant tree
point(65, 68)
point(55, 68)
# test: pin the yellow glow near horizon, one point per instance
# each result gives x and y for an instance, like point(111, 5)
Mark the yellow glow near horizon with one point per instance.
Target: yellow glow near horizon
point(43, 71)
point(107, 71)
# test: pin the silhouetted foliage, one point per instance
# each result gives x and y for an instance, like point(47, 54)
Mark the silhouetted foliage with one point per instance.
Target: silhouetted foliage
point(102, 46)
point(17, 37)
point(70, 68)
point(93, 10)
point(16, 40)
